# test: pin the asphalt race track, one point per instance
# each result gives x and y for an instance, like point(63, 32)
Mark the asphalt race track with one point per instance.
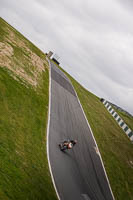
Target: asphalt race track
point(78, 173)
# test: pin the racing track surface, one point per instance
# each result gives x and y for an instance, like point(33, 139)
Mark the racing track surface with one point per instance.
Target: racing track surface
point(78, 173)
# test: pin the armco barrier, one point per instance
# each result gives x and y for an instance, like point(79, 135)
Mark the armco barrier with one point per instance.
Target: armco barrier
point(118, 119)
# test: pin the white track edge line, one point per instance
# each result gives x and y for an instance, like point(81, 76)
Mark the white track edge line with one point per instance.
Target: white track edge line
point(48, 124)
point(95, 142)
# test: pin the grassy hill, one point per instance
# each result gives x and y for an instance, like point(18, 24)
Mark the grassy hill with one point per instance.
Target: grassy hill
point(115, 147)
point(24, 83)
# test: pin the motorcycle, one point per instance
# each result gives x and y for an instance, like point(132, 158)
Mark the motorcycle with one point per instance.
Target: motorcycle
point(66, 145)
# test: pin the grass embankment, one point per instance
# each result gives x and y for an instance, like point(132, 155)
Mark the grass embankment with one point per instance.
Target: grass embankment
point(115, 147)
point(24, 83)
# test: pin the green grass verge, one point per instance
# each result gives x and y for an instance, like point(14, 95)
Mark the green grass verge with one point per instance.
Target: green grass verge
point(24, 172)
point(115, 147)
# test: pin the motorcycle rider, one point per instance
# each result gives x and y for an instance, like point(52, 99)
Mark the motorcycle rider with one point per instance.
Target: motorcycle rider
point(69, 144)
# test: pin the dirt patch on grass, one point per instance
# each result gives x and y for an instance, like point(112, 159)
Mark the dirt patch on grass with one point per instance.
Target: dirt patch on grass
point(6, 51)
point(131, 163)
point(20, 60)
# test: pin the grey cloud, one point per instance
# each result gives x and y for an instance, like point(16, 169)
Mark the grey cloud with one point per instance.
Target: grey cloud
point(93, 38)
point(128, 4)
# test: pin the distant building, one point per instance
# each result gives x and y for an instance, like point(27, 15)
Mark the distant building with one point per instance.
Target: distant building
point(55, 58)
point(56, 61)
point(50, 54)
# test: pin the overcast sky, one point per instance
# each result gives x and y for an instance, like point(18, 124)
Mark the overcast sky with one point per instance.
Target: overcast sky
point(94, 40)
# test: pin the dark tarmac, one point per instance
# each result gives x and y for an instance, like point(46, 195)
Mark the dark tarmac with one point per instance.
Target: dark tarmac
point(78, 173)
